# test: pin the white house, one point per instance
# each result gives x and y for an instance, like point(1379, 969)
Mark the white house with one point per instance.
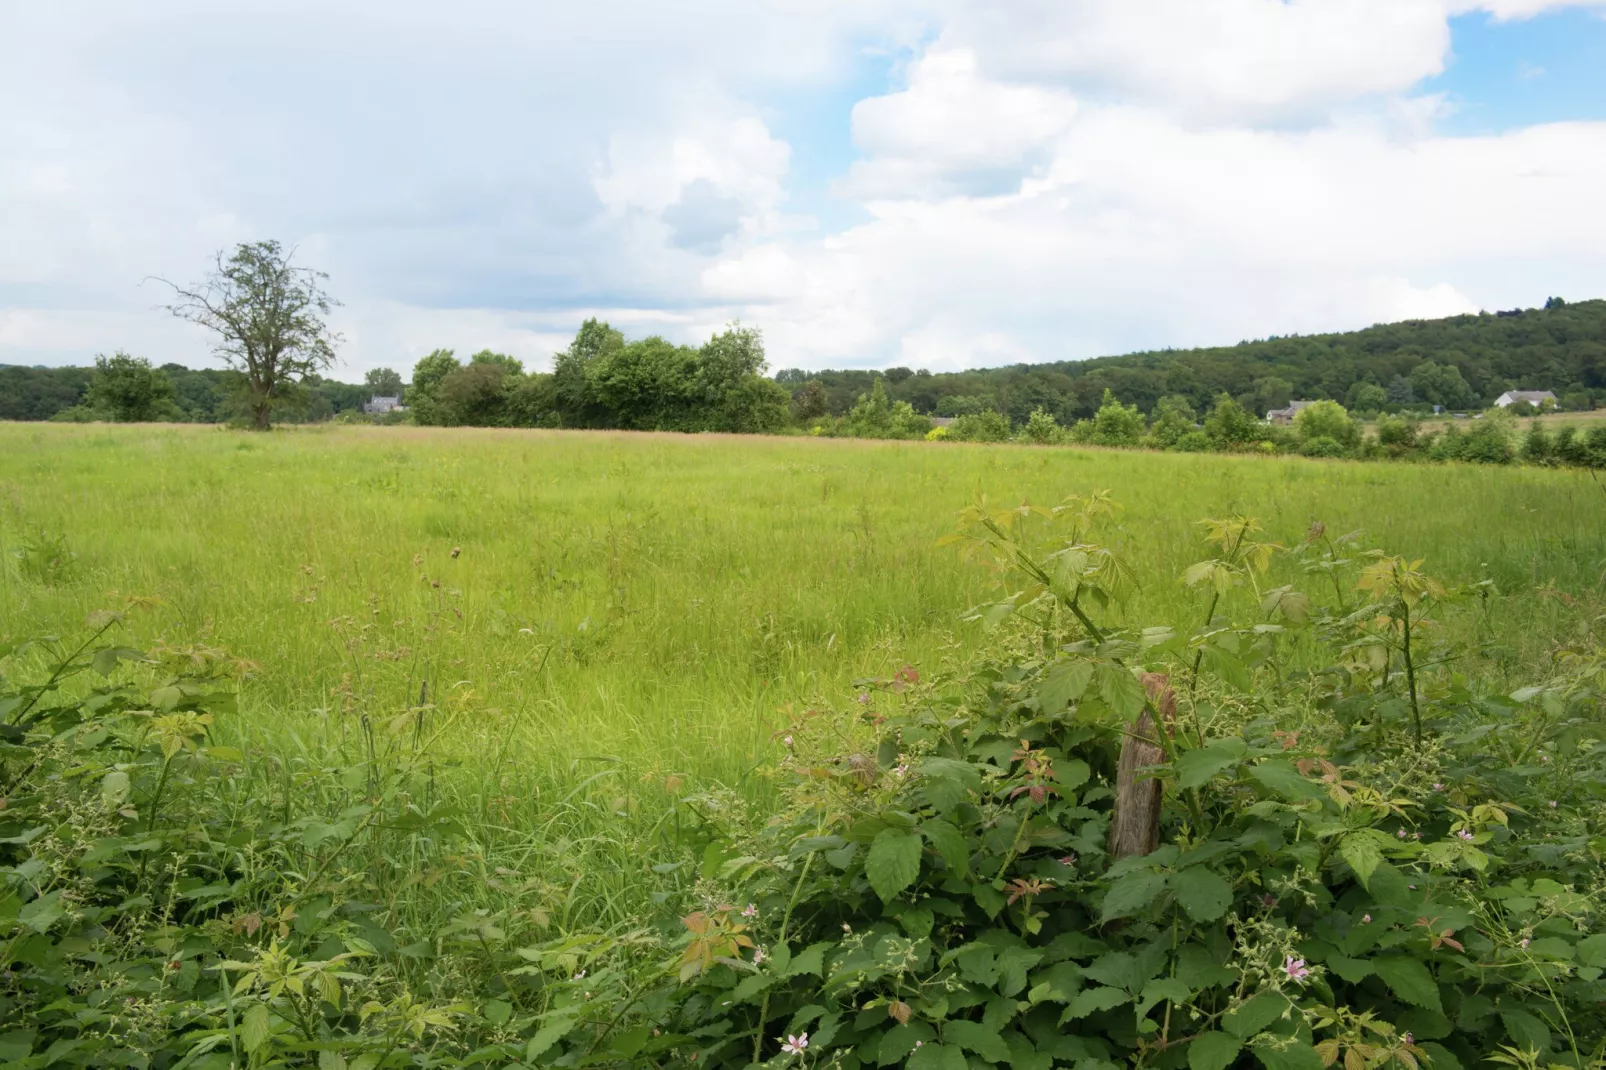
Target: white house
point(1536, 398)
point(378, 406)
point(1286, 416)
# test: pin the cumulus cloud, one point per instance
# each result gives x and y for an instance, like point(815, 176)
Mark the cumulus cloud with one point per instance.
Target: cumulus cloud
point(1039, 180)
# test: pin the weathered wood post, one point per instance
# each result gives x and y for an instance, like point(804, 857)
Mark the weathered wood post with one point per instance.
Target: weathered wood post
point(1135, 825)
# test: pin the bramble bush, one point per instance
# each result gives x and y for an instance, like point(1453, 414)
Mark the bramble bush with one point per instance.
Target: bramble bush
point(1370, 863)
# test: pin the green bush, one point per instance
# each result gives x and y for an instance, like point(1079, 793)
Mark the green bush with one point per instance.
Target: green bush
point(1390, 871)
point(1323, 446)
point(988, 425)
point(1327, 420)
point(1192, 442)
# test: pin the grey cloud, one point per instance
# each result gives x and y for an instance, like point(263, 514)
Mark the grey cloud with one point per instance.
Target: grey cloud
point(703, 217)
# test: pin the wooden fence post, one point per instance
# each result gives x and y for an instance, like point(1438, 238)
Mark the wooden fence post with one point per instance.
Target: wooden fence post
point(1135, 825)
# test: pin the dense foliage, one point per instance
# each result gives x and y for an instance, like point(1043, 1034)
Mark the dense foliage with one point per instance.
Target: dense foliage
point(603, 381)
point(1362, 856)
point(1463, 362)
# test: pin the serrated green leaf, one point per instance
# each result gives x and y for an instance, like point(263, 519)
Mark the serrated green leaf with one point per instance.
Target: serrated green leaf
point(1408, 979)
point(1090, 1000)
point(893, 862)
point(549, 1034)
point(1363, 850)
point(1283, 779)
point(114, 787)
point(937, 1057)
point(1213, 1051)
point(1254, 1014)
point(975, 1037)
point(1286, 1053)
point(255, 1026)
point(1120, 691)
point(1196, 768)
point(901, 1039)
point(1591, 950)
point(949, 843)
point(811, 960)
point(1131, 894)
point(1066, 682)
point(1203, 893)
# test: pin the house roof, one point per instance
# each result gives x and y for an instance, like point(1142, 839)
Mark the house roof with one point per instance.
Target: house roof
point(1528, 395)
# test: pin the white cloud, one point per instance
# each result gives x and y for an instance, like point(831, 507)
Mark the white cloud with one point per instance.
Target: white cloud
point(1045, 179)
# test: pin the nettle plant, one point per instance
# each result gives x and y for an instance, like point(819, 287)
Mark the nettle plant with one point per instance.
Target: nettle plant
point(1343, 867)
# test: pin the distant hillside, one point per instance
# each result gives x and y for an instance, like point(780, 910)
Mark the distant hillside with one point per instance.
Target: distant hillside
point(1561, 347)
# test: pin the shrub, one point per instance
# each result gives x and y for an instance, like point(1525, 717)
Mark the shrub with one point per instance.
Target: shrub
point(1116, 424)
point(1329, 420)
point(988, 425)
point(1322, 446)
point(1043, 429)
point(1230, 425)
point(1370, 880)
point(1193, 442)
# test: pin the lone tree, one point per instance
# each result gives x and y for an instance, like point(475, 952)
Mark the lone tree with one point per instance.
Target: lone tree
point(129, 390)
point(267, 314)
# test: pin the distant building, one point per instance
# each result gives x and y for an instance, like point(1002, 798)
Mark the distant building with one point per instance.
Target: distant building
point(1286, 416)
point(1536, 398)
point(377, 406)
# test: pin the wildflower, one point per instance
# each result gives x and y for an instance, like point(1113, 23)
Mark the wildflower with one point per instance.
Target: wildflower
point(1523, 942)
point(759, 956)
point(920, 1043)
point(1366, 919)
point(1465, 834)
point(581, 976)
point(1295, 968)
point(796, 1045)
point(750, 910)
point(1067, 860)
point(1552, 804)
point(899, 770)
point(787, 741)
point(1438, 787)
point(846, 927)
point(1399, 834)
point(1268, 900)
point(864, 698)
point(1416, 835)
point(1408, 1038)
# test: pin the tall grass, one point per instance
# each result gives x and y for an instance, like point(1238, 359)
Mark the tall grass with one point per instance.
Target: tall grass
point(581, 622)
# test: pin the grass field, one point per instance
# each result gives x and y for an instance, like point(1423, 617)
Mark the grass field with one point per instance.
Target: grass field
point(1551, 422)
point(655, 600)
point(603, 623)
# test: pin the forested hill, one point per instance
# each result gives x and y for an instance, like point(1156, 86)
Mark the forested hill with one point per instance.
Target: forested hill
point(1561, 347)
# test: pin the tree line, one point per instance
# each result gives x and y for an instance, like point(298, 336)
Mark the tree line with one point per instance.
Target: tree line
point(1459, 364)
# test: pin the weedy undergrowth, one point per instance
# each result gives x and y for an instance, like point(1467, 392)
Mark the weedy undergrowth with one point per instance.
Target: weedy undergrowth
point(1370, 864)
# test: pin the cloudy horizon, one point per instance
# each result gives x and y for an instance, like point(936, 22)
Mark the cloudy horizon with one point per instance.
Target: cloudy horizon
point(930, 183)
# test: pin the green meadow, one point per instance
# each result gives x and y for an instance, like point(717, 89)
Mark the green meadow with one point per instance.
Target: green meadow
point(657, 603)
point(499, 710)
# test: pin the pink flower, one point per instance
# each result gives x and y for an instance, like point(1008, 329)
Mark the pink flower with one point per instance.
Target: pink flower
point(1067, 860)
point(1523, 942)
point(1399, 834)
point(1465, 834)
point(1408, 1038)
point(759, 956)
point(795, 1045)
point(787, 741)
point(1438, 787)
point(1366, 919)
point(899, 770)
point(1295, 968)
point(750, 910)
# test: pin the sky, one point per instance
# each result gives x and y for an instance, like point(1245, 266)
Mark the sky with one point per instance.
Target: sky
point(937, 184)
